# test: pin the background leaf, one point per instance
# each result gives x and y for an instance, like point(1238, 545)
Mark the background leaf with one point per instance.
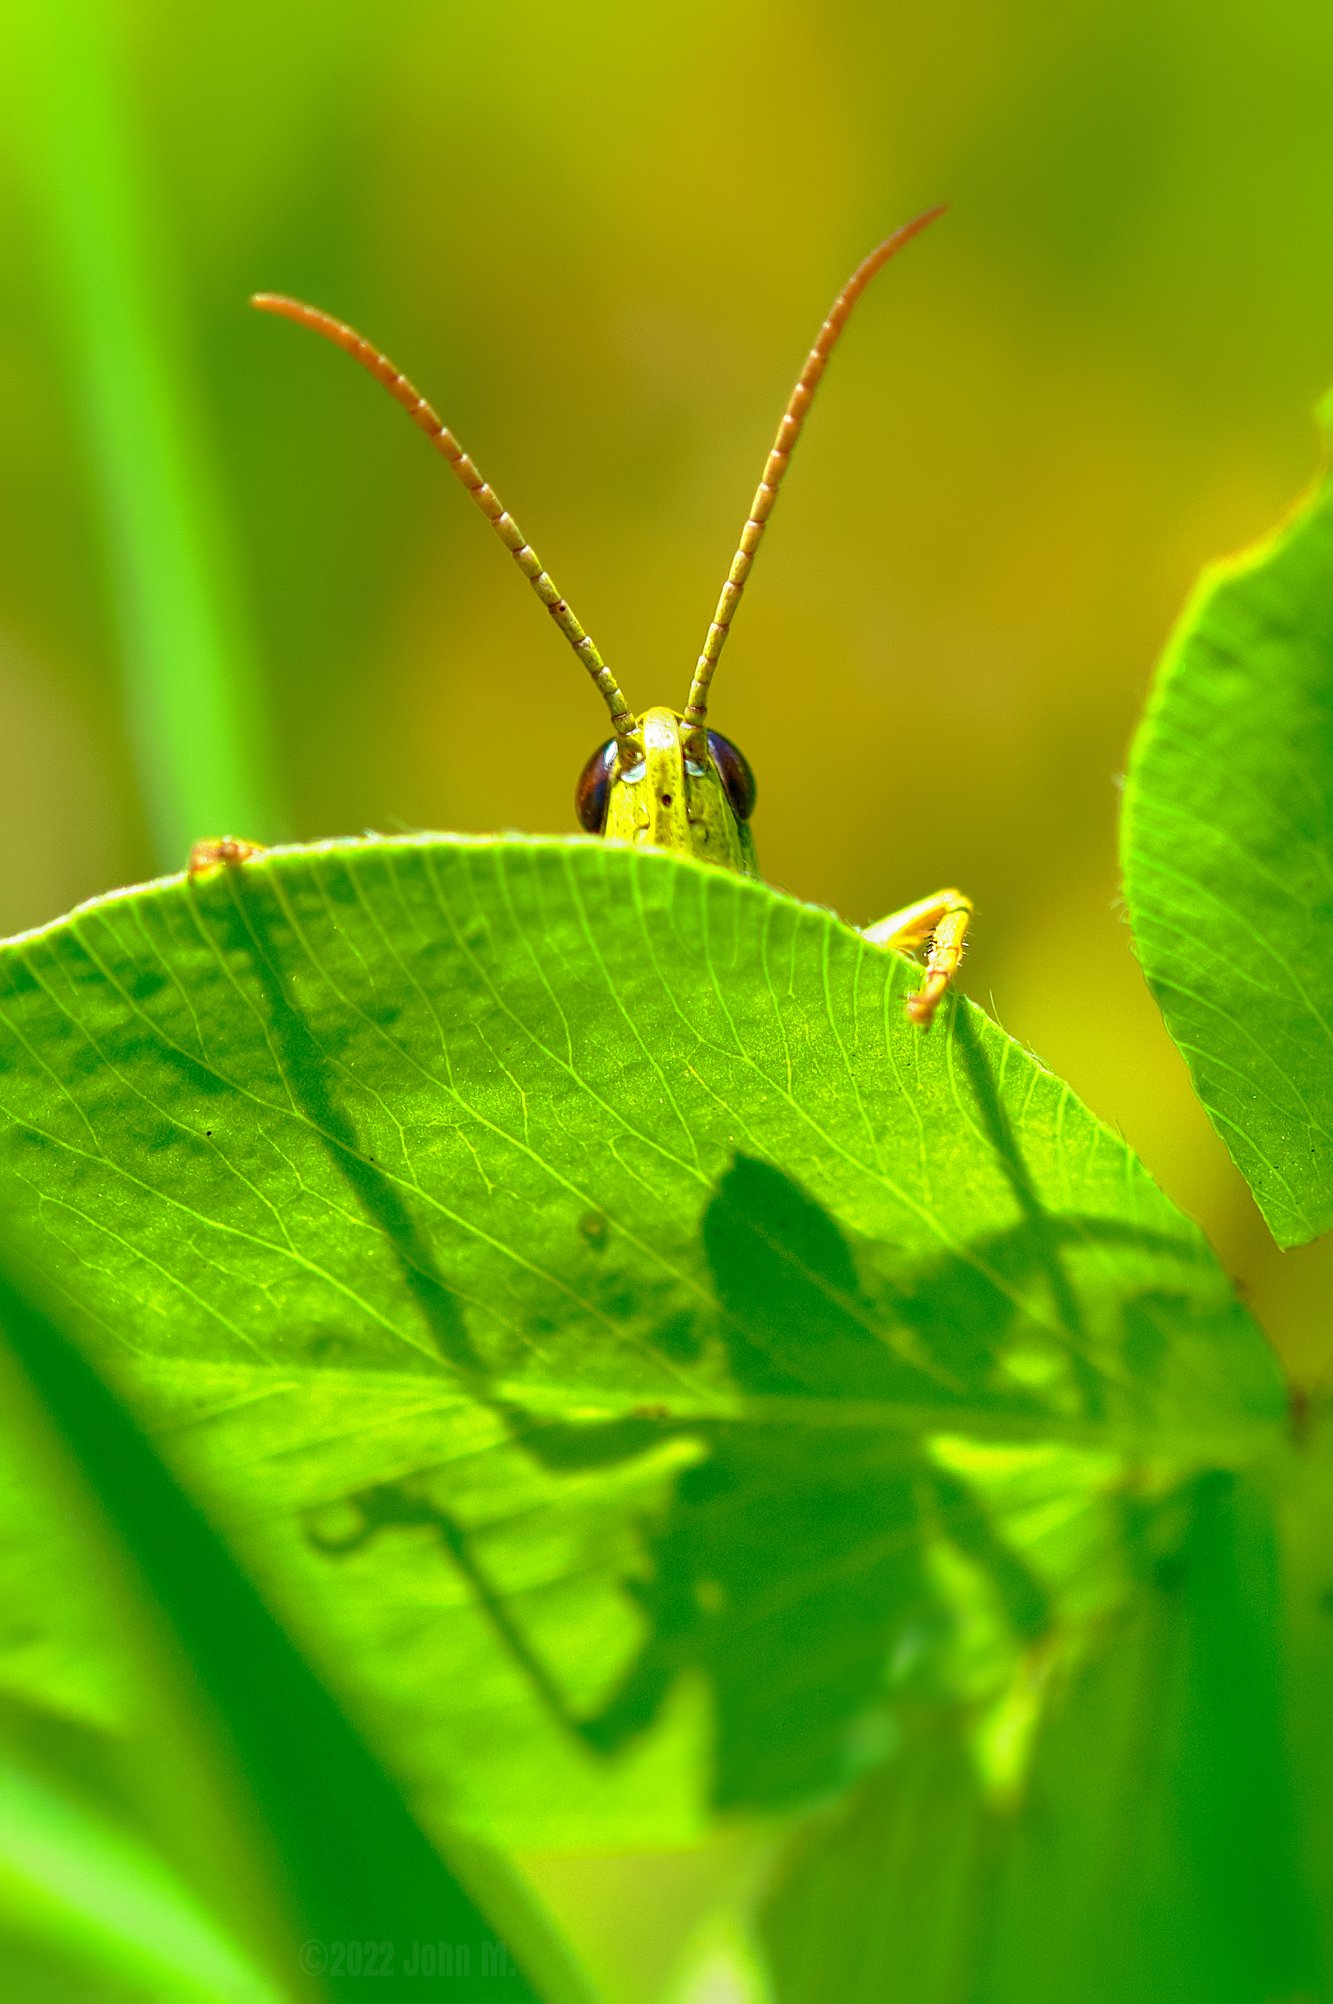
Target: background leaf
point(1159, 1857)
point(1154, 1853)
point(634, 1355)
point(1228, 858)
point(892, 1894)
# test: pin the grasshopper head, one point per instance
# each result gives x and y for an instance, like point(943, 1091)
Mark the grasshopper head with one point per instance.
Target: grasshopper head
point(664, 778)
point(687, 790)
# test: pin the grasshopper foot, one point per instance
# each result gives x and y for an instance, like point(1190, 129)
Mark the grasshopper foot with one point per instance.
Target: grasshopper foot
point(941, 919)
point(220, 852)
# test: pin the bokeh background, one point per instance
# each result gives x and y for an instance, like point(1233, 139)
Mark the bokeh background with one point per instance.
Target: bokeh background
point(236, 590)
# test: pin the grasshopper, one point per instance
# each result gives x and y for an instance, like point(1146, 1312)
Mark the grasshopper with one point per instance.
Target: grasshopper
point(664, 778)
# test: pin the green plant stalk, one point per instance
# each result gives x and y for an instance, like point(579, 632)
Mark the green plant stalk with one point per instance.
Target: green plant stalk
point(191, 688)
point(106, 1903)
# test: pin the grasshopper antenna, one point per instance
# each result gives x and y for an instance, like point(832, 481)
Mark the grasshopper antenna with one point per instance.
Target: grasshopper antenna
point(485, 496)
point(696, 709)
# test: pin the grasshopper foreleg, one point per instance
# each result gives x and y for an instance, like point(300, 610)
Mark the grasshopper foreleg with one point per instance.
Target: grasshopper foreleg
point(942, 920)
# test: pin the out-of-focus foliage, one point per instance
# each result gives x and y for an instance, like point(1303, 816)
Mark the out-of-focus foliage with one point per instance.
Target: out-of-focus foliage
point(1228, 845)
point(192, 707)
point(89, 1907)
point(1165, 1845)
point(270, 1764)
point(893, 1887)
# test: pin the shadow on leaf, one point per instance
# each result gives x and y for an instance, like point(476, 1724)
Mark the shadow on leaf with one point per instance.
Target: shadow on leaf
point(797, 1568)
point(793, 1569)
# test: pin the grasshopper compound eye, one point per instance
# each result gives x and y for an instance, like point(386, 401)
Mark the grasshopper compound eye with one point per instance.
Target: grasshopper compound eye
point(594, 784)
point(734, 770)
point(594, 788)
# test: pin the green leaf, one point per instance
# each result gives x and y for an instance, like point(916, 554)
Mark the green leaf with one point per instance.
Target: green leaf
point(891, 1894)
point(1159, 1854)
point(1153, 1855)
point(351, 1864)
point(1227, 846)
point(634, 1356)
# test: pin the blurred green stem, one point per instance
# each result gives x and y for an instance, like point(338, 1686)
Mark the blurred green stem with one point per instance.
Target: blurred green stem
point(109, 1906)
point(191, 687)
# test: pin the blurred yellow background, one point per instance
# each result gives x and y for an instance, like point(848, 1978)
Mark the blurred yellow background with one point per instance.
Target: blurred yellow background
point(601, 239)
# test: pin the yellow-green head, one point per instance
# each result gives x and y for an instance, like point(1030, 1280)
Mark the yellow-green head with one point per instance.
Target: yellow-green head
point(681, 794)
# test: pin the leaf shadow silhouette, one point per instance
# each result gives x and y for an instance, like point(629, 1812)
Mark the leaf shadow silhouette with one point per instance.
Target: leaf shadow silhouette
point(794, 1568)
point(794, 1572)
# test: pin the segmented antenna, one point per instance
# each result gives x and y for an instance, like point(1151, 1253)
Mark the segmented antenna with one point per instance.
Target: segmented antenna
point(696, 709)
point(485, 496)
